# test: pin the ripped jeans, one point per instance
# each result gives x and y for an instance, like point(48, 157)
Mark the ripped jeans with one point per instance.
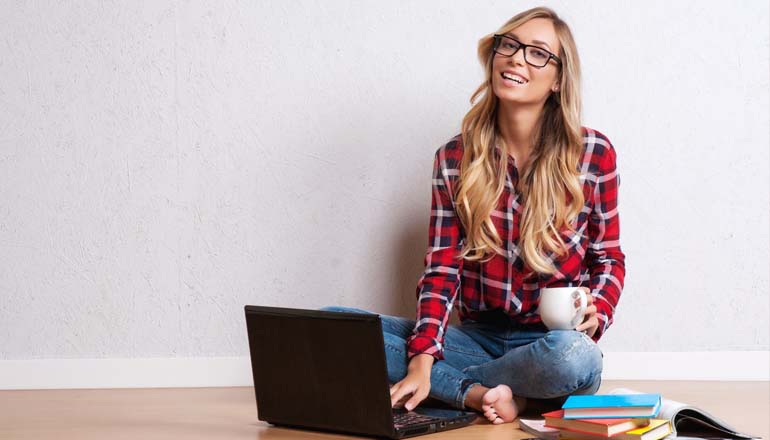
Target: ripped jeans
point(534, 362)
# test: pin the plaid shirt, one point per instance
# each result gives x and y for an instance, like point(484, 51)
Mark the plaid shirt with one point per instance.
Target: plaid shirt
point(594, 259)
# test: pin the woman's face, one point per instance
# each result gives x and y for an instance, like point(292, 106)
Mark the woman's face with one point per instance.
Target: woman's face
point(539, 83)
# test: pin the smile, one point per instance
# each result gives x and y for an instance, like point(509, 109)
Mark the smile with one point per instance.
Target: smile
point(512, 80)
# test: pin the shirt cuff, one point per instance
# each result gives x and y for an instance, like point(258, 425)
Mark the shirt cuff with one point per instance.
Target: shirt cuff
point(603, 314)
point(418, 344)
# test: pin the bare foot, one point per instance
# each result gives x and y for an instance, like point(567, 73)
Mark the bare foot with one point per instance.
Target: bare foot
point(499, 405)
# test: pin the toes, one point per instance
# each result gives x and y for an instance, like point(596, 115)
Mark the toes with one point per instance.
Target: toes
point(498, 421)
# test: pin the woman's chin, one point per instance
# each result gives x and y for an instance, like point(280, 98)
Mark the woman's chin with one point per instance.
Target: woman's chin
point(511, 98)
point(515, 98)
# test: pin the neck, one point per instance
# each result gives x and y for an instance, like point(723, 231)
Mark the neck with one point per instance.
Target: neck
point(517, 125)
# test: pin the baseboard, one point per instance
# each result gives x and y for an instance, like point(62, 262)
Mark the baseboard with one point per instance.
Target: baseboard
point(125, 373)
point(236, 371)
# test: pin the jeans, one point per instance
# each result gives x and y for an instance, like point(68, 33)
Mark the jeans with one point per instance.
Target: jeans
point(534, 362)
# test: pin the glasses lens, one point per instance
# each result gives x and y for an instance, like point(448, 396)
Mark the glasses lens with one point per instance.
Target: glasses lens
point(537, 57)
point(506, 46)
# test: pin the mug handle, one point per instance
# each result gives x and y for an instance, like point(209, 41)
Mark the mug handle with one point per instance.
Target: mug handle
point(580, 311)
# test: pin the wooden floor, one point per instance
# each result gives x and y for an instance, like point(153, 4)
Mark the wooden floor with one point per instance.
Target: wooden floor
point(230, 413)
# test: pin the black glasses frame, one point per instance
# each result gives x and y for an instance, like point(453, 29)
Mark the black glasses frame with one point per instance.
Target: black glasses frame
point(499, 37)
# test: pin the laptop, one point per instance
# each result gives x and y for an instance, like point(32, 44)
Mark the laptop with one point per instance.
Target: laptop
point(324, 370)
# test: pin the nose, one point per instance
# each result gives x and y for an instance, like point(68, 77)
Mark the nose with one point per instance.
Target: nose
point(518, 57)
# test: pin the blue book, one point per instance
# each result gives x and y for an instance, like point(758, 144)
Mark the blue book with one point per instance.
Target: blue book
point(612, 406)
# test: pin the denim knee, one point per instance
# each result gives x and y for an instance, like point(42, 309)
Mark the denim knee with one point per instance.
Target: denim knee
point(390, 324)
point(343, 309)
point(575, 359)
point(395, 354)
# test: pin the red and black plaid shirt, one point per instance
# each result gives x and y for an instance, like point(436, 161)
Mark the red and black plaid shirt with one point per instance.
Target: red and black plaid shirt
point(594, 259)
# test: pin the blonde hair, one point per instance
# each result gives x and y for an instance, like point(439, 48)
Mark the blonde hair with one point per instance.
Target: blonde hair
point(553, 174)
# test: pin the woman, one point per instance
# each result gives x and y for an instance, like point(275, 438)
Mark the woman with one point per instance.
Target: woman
point(524, 198)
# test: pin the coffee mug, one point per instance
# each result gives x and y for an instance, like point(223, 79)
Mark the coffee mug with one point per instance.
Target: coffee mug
point(557, 307)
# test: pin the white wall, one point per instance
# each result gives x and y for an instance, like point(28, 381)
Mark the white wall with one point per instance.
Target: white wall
point(163, 164)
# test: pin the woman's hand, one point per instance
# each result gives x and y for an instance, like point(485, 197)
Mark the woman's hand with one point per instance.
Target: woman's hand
point(416, 383)
point(590, 323)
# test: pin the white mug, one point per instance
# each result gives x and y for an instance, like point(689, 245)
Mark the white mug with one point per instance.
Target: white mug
point(557, 307)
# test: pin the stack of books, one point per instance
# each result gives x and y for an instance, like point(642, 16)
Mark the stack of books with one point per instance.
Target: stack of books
point(611, 416)
point(648, 418)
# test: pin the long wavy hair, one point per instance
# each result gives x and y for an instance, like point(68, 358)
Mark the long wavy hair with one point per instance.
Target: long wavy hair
point(553, 175)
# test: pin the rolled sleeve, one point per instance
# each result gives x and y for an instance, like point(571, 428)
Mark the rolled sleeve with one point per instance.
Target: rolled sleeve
point(440, 281)
point(605, 259)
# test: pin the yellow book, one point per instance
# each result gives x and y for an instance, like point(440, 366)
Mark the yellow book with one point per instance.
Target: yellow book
point(657, 429)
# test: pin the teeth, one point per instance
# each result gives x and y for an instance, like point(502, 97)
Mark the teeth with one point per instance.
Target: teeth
point(516, 78)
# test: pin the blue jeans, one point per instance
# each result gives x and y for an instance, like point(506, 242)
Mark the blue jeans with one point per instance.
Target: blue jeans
point(534, 362)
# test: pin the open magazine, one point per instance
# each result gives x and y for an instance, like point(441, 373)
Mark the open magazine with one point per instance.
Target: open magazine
point(689, 421)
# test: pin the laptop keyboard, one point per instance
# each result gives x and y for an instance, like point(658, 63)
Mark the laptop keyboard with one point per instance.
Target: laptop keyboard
point(410, 418)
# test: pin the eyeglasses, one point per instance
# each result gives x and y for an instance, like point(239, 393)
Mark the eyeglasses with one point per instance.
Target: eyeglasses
point(533, 55)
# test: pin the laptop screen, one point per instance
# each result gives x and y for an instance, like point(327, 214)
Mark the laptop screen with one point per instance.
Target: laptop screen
point(320, 369)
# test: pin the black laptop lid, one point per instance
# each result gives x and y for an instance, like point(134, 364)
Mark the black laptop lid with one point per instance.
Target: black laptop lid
point(320, 369)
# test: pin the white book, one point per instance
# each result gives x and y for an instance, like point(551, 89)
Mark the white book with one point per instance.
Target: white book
point(537, 428)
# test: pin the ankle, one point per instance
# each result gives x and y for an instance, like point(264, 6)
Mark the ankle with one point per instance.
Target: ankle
point(474, 396)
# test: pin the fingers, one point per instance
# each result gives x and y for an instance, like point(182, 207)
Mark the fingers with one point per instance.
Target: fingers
point(590, 325)
point(397, 392)
point(403, 389)
point(589, 328)
point(415, 400)
point(584, 325)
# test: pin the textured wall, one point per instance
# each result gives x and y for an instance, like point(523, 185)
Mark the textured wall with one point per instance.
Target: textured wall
point(162, 164)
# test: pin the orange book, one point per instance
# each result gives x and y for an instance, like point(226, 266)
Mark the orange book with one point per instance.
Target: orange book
point(656, 430)
point(601, 427)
